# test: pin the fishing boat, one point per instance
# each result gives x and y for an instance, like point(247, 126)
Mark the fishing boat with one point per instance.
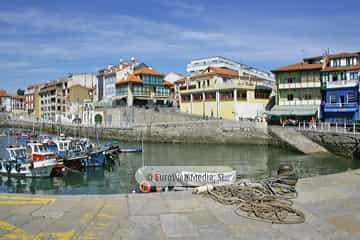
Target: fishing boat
point(96, 153)
point(17, 163)
point(39, 151)
point(71, 155)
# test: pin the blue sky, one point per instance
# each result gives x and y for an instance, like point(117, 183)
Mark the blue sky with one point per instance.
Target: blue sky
point(42, 40)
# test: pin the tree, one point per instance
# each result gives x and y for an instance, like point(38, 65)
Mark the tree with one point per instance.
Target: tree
point(20, 92)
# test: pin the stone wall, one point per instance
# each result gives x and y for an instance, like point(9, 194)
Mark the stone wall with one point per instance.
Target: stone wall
point(210, 131)
point(125, 116)
point(347, 145)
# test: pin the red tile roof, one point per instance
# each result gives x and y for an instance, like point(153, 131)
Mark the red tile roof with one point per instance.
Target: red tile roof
point(217, 71)
point(298, 67)
point(3, 93)
point(129, 78)
point(148, 71)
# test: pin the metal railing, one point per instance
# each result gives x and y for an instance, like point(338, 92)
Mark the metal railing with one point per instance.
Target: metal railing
point(345, 127)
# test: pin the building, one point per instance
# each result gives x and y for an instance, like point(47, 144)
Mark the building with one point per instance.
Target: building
point(174, 78)
point(30, 99)
point(58, 97)
point(298, 90)
point(5, 101)
point(107, 77)
point(201, 64)
point(18, 103)
point(340, 85)
point(132, 83)
point(143, 86)
point(224, 93)
point(52, 100)
point(324, 87)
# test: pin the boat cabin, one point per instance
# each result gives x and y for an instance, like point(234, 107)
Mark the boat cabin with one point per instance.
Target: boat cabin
point(16, 154)
point(39, 151)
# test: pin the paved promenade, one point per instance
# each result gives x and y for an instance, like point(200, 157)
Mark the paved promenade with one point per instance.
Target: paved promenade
point(331, 204)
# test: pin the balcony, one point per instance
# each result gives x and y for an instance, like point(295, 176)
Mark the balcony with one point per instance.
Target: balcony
point(300, 102)
point(299, 85)
point(342, 83)
point(341, 107)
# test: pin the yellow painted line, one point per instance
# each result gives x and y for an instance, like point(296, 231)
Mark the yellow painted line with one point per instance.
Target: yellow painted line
point(18, 233)
point(106, 216)
point(10, 200)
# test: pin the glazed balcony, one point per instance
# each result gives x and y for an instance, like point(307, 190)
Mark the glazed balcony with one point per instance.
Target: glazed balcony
point(299, 85)
point(342, 83)
point(341, 107)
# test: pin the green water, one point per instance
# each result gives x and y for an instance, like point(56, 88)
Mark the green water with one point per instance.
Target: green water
point(248, 161)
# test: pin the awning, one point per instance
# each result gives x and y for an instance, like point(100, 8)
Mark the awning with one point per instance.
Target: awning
point(293, 110)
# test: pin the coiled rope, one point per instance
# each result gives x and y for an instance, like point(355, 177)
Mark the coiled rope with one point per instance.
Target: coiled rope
point(267, 201)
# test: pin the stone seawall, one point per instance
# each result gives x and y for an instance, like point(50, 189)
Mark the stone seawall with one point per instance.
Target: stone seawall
point(180, 132)
point(347, 145)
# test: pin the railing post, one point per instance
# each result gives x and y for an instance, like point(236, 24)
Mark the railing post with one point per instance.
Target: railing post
point(345, 126)
point(304, 125)
point(299, 125)
point(336, 127)
point(354, 131)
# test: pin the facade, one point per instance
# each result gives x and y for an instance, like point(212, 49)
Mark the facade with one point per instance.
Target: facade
point(173, 77)
point(30, 99)
point(52, 100)
point(18, 103)
point(142, 86)
point(324, 87)
point(5, 101)
point(298, 90)
point(220, 92)
point(107, 78)
point(201, 64)
point(57, 97)
point(340, 85)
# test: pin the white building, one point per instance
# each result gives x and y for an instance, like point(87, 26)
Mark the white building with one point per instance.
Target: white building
point(201, 64)
point(5, 101)
point(173, 76)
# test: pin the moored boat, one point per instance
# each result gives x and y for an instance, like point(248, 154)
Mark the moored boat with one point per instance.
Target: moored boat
point(17, 163)
point(39, 151)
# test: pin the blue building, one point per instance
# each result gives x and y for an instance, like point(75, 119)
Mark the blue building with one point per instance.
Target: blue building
point(340, 86)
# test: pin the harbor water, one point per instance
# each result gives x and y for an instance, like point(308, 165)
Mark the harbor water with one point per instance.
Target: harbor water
point(250, 161)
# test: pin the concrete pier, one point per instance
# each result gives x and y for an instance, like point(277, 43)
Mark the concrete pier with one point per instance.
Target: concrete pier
point(296, 140)
point(329, 202)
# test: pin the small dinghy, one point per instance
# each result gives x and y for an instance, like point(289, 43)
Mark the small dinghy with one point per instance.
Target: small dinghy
point(130, 150)
point(18, 164)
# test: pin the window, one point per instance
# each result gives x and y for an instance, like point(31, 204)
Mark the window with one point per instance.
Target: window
point(351, 98)
point(332, 99)
point(290, 97)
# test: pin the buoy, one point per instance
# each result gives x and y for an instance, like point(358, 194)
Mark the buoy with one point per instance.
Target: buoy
point(144, 186)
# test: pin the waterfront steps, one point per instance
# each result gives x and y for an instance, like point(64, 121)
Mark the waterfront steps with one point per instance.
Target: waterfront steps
point(296, 139)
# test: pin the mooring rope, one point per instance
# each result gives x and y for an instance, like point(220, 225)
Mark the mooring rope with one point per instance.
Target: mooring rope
point(267, 200)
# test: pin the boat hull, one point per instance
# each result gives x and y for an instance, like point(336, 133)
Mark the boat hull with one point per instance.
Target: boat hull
point(33, 169)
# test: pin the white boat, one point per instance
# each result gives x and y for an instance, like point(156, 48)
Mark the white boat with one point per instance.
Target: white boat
point(17, 163)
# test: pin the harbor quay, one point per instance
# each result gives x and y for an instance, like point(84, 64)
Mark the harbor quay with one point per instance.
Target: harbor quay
point(330, 204)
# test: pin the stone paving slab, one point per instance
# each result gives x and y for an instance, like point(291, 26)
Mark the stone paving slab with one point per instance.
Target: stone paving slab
point(330, 203)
